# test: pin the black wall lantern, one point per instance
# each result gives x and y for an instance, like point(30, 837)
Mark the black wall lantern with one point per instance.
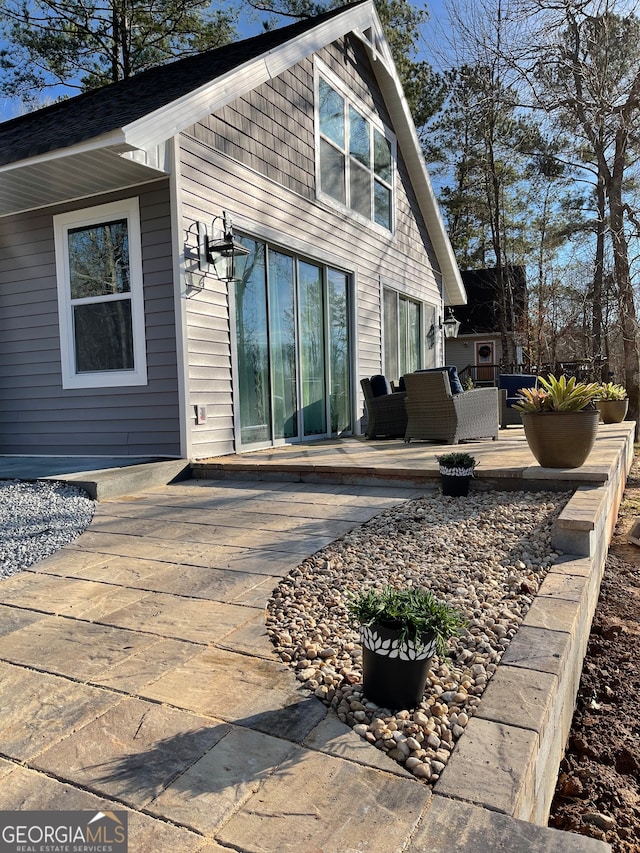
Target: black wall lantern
point(219, 250)
point(450, 326)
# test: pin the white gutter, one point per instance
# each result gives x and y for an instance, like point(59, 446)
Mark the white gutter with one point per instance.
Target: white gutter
point(180, 308)
point(115, 139)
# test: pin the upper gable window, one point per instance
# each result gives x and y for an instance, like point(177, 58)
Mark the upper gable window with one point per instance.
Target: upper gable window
point(356, 156)
point(100, 298)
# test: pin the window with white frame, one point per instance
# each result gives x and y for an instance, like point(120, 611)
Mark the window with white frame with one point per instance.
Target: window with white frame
point(402, 330)
point(100, 296)
point(356, 156)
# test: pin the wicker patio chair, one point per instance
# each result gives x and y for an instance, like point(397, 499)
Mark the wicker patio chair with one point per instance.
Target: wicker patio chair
point(509, 385)
point(435, 414)
point(386, 414)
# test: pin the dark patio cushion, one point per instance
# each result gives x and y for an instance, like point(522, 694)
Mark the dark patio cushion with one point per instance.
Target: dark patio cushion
point(512, 382)
point(454, 381)
point(380, 385)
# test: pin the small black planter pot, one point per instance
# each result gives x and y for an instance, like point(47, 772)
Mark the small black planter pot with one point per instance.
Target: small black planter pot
point(393, 676)
point(455, 487)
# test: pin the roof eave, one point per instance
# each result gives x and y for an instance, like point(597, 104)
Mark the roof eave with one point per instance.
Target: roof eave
point(114, 140)
point(396, 102)
point(72, 174)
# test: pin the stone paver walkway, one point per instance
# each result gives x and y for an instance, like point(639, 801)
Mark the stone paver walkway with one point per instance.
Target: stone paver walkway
point(135, 671)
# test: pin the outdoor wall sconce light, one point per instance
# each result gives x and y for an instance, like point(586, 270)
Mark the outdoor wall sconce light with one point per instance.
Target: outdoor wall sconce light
point(219, 250)
point(450, 326)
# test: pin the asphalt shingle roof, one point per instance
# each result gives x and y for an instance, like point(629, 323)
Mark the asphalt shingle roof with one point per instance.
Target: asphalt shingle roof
point(97, 112)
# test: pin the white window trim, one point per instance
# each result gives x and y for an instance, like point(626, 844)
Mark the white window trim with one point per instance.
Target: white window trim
point(129, 209)
point(322, 70)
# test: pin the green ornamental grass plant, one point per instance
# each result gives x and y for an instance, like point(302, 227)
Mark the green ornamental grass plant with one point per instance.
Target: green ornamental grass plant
point(415, 613)
point(459, 464)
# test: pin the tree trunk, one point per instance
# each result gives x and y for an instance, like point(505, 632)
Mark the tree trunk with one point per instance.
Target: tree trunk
point(115, 48)
point(630, 342)
point(625, 295)
point(599, 364)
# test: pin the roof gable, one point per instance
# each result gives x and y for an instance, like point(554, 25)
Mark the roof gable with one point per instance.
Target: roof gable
point(485, 311)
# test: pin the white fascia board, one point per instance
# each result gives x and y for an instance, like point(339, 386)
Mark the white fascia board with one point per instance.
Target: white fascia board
point(378, 46)
point(114, 139)
point(184, 112)
point(402, 121)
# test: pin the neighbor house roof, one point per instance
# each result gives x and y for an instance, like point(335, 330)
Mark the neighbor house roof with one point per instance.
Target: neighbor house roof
point(116, 136)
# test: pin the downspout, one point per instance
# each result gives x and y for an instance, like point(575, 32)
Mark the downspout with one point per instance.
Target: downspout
point(179, 301)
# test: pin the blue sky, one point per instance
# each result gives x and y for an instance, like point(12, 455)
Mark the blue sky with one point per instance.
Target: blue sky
point(432, 32)
point(249, 27)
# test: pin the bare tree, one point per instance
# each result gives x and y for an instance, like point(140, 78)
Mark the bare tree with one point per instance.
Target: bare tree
point(487, 151)
point(582, 63)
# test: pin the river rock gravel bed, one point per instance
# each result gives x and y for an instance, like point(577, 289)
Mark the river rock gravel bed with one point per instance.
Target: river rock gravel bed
point(486, 555)
point(36, 519)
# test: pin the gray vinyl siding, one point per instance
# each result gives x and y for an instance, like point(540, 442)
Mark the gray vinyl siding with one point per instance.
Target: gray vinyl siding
point(459, 353)
point(36, 415)
point(255, 159)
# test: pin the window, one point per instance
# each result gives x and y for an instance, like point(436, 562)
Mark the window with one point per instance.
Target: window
point(355, 157)
point(403, 323)
point(100, 298)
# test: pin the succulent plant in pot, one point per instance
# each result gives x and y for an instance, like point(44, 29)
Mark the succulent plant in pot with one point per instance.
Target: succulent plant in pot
point(456, 470)
point(612, 403)
point(401, 630)
point(560, 420)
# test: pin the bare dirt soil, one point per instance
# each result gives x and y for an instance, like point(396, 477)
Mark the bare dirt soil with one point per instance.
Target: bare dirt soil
point(598, 789)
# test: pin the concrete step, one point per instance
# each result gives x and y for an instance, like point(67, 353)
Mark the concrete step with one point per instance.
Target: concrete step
point(108, 483)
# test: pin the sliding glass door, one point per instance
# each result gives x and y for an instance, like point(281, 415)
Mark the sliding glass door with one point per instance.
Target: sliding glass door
point(312, 350)
point(252, 383)
point(282, 346)
point(292, 349)
point(339, 351)
point(403, 334)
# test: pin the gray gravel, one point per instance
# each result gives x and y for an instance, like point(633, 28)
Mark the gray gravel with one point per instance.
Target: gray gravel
point(36, 519)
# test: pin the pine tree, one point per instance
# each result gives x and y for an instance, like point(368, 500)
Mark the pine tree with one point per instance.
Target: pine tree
point(84, 44)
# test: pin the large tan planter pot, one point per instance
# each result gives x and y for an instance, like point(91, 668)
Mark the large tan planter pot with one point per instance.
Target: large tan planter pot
point(561, 439)
point(612, 411)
